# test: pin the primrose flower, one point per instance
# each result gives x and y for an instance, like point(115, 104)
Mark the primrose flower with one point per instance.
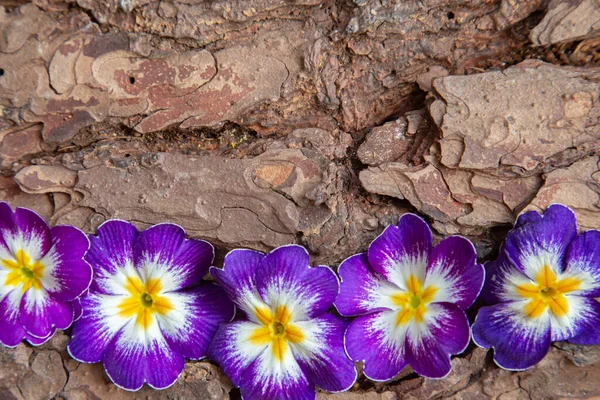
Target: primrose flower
point(541, 289)
point(287, 343)
point(410, 300)
point(42, 271)
point(142, 315)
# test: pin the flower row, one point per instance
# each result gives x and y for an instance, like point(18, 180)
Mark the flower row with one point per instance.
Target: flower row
point(141, 309)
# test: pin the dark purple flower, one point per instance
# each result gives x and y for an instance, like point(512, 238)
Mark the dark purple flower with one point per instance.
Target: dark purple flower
point(142, 316)
point(42, 272)
point(288, 343)
point(410, 300)
point(541, 289)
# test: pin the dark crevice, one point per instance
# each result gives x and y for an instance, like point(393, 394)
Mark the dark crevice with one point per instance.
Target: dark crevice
point(90, 14)
point(575, 52)
point(235, 394)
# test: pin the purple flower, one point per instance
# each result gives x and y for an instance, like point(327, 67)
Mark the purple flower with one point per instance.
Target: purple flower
point(142, 315)
point(541, 289)
point(287, 343)
point(410, 300)
point(41, 272)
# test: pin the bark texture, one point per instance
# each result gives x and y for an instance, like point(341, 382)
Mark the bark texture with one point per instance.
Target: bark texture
point(267, 122)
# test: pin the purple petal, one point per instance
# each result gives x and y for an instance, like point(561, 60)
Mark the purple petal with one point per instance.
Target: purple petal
point(402, 250)
point(495, 286)
point(11, 330)
point(542, 241)
point(24, 230)
point(190, 327)
point(38, 341)
point(518, 342)
point(232, 349)
point(66, 274)
point(164, 250)
point(361, 289)
point(96, 328)
point(284, 277)
point(77, 310)
point(322, 356)
point(267, 379)
point(454, 271)
point(529, 217)
point(131, 360)
point(588, 332)
point(111, 251)
point(503, 280)
point(5, 252)
point(39, 313)
point(583, 262)
point(238, 277)
point(7, 217)
point(376, 340)
point(582, 315)
point(444, 332)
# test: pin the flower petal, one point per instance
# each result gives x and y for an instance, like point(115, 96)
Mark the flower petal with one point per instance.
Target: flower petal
point(5, 254)
point(97, 327)
point(454, 272)
point(233, 349)
point(39, 341)
point(504, 281)
point(588, 332)
point(518, 342)
point(24, 230)
point(11, 330)
point(131, 360)
point(268, 379)
point(376, 340)
point(582, 315)
point(77, 310)
point(321, 354)
point(541, 240)
point(5, 289)
point(66, 274)
point(444, 331)
point(583, 263)
point(191, 325)
point(361, 289)
point(111, 251)
point(238, 278)
point(501, 280)
point(163, 251)
point(284, 277)
point(402, 250)
point(39, 313)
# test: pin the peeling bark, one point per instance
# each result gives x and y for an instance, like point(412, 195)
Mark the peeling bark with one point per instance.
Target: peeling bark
point(257, 124)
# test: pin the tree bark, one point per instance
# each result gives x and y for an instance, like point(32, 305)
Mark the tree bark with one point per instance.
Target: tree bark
point(262, 123)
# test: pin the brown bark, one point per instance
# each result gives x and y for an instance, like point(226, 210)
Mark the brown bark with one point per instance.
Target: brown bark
point(261, 123)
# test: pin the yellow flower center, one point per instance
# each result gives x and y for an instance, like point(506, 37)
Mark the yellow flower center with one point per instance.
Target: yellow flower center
point(23, 271)
point(144, 301)
point(547, 292)
point(276, 329)
point(413, 303)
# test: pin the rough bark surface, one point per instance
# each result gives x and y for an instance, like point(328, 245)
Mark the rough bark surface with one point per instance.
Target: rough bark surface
point(262, 123)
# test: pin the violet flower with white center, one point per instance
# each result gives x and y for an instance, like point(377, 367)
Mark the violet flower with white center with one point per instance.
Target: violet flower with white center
point(541, 289)
point(287, 343)
point(410, 300)
point(42, 273)
point(143, 315)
